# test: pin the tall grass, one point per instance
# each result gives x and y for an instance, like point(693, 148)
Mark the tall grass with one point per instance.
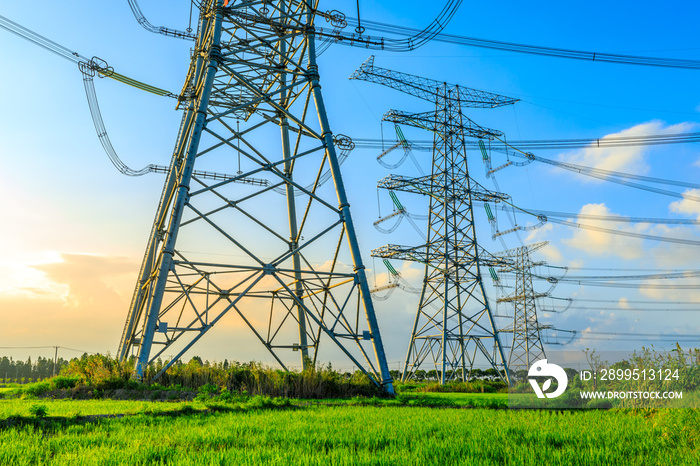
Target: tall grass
point(256, 379)
point(97, 374)
point(346, 435)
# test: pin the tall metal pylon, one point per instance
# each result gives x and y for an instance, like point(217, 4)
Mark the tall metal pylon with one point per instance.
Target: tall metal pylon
point(454, 323)
point(526, 346)
point(271, 242)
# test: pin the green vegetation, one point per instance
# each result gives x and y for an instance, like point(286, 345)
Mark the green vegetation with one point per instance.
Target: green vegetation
point(278, 432)
point(98, 376)
point(647, 371)
point(201, 413)
point(12, 371)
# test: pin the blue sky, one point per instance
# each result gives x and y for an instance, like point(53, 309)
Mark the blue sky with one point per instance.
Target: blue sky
point(74, 228)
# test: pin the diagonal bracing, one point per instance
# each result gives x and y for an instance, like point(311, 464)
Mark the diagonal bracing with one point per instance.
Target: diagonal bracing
point(281, 255)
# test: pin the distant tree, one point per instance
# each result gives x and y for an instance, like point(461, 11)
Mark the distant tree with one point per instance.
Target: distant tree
point(196, 360)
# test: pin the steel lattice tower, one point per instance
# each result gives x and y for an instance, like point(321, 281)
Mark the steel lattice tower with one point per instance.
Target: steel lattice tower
point(526, 347)
point(454, 323)
point(271, 243)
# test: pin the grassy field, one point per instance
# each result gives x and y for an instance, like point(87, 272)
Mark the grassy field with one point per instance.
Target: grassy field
point(339, 432)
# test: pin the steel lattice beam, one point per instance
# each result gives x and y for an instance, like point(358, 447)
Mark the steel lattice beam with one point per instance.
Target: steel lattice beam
point(428, 121)
point(428, 89)
point(283, 254)
point(427, 185)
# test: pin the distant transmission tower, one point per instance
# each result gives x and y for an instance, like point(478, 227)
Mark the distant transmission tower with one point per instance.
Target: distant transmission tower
point(271, 242)
point(526, 346)
point(454, 323)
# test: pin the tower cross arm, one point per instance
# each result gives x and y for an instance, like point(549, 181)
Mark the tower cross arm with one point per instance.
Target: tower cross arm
point(429, 121)
point(522, 250)
point(428, 89)
point(432, 185)
point(409, 253)
point(521, 297)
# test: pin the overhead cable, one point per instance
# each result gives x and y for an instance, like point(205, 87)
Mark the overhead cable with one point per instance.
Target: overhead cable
point(609, 284)
point(40, 40)
point(141, 19)
point(531, 49)
point(629, 309)
point(619, 177)
point(631, 234)
point(102, 131)
point(616, 218)
point(414, 40)
point(542, 144)
point(77, 58)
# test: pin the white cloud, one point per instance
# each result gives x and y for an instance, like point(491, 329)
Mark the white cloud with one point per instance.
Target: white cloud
point(628, 159)
point(550, 252)
point(689, 205)
point(599, 243)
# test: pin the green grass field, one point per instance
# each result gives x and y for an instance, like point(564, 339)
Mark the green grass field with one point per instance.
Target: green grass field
point(340, 432)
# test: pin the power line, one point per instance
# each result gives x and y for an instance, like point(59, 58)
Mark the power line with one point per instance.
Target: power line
point(48, 347)
point(629, 335)
point(540, 144)
point(616, 218)
point(94, 64)
point(625, 179)
point(630, 309)
point(656, 286)
point(655, 276)
point(530, 49)
point(593, 300)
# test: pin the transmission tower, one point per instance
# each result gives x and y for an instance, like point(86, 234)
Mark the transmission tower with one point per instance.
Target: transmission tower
point(269, 242)
point(526, 346)
point(454, 324)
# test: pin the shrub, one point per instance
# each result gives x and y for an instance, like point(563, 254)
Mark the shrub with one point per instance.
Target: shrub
point(36, 389)
point(38, 410)
point(63, 382)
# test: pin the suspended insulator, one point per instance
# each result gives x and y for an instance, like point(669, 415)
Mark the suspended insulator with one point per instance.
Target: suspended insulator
point(388, 150)
point(396, 200)
point(392, 215)
point(494, 170)
point(391, 268)
point(489, 214)
point(399, 134)
point(493, 274)
point(505, 232)
point(483, 150)
point(390, 286)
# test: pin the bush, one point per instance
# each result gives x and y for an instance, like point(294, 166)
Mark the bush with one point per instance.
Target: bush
point(64, 382)
point(38, 410)
point(474, 386)
point(36, 389)
point(99, 371)
point(255, 379)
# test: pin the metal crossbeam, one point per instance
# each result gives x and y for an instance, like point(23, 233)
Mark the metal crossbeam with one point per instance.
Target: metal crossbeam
point(430, 122)
point(427, 185)
point(428, 89)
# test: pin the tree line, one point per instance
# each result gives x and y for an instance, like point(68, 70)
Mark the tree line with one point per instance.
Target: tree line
point(31, 370)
